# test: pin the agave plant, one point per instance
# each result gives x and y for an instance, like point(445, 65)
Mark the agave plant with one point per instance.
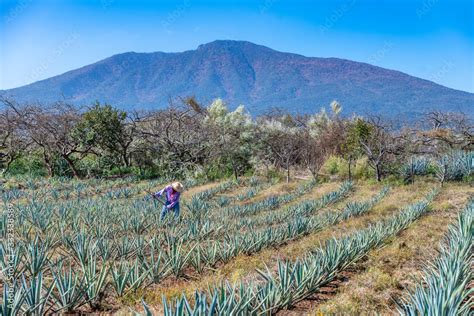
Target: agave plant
point(70, 291)
point(11, 259)
point(37, 255)
point(127, 277)
point(12, 300)
point(155, 263)
point(454, 166)
point(146, 309)
point(210, 253)
point(81, 246)
point(95, 281)
point(125, 247)
point(197, 259)
point(223, 201)
point(197, 207)
point(36, 296)
point(176, 255)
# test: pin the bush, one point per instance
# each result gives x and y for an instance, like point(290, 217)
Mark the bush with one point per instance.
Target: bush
point(31, 165)
point(147, 173)
point(89, 166)
point(362, 170)
point(334, 166)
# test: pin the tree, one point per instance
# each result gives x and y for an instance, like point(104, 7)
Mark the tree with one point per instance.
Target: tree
point(108, 130)
point(447, 131)
point(231, 135)
point(177, 137)
point(13, 141)
point(322, 137)
point(376, 143)
point(49, 130)
point(282, 138)
point(350, 148)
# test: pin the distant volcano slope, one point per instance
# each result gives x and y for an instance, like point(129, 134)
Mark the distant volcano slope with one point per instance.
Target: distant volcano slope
point(245, 73)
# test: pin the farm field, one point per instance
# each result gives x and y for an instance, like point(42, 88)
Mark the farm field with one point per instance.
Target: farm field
point(98, 246)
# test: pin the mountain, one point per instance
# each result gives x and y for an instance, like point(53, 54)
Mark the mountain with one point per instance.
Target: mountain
point(241, 72)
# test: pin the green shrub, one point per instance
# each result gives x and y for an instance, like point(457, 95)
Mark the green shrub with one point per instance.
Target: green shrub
point(28, 165)
point(362, 170)
point(147, 173)
point(89, 166)
point(332, 165)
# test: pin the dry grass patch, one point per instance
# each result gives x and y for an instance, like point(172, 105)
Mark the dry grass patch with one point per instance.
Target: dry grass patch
point(273, 190)
point(188, 193)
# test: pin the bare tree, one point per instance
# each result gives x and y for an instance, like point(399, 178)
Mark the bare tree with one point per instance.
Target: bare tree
point(282, 137)
point(13, 140)
point(177, 136)
point(447, 131)
point(323, 136)
point(49, 129)
point(376, 142)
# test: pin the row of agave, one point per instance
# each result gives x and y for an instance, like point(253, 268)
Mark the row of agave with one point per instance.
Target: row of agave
point(452, 166)
point(304, 208)
point(202, 212)
point(255, 187)
point(444, 288)
point(268, 203)
point(209, 193)
point(295, 281)
point(78, 190)
point(217, 217)
point(60, 187)
point(251, 241)
point(65, 188)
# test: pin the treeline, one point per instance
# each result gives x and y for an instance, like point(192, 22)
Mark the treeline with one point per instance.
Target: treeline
point(192, 140)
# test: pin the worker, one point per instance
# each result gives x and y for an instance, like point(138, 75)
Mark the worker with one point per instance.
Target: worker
point(173, 192)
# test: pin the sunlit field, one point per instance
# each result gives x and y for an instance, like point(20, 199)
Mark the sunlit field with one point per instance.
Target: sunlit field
point(253, 246)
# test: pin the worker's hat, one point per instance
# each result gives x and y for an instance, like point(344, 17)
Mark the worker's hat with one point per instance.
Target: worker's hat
point(177, 186)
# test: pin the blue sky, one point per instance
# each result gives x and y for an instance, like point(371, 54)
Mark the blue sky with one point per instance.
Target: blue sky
point(431, 39)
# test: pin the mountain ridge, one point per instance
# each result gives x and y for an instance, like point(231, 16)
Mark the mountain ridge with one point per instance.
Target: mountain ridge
point(241, 72)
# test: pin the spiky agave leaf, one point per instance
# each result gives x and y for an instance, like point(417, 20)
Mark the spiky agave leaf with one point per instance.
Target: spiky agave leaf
point(12, 300)
point(36, 296)
point(70, 291)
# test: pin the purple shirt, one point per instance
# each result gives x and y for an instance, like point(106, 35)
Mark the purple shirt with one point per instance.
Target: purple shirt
point(172, 197)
